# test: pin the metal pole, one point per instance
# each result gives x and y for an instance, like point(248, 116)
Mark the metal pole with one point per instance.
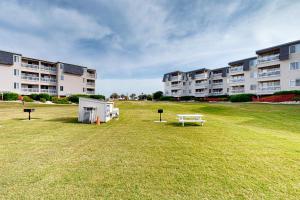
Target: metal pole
point(160, 117)
point(29, 116)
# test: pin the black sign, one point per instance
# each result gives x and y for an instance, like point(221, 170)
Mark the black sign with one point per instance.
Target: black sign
point(29, 110)
point(160, 111)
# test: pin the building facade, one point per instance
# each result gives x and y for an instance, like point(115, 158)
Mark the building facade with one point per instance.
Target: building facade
point(272, 69)
point(26, 76)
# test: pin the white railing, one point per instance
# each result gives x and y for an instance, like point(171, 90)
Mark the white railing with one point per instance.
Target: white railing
point(217, 75)
point(175, 78)
point(238, 91)
point(236, 69)
point(264, 59)
point(35, 90)
point(91, 75)
point(31, 66)
point(30, 78)
point(90, 92)
point(200, 76)
point(216, 84)
point(50, 91)
point(48, 69)
point(200, 93)
point(237, 80)
point(205, 84)
point(90, 84)
point(48, 80)
point(269, 88)
point(269, 74)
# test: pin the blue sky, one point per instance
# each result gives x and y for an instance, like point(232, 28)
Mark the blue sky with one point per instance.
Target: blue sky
point(132, 43)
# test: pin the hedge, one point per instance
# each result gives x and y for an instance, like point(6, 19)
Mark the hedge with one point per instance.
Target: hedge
point(288, 92)
point(241, 97)
point(75, 98)
point(27, 99)
point(167, 98)
point(60, 100)
point(9, 96)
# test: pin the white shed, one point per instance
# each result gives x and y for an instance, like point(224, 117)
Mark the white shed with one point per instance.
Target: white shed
point(90, 109)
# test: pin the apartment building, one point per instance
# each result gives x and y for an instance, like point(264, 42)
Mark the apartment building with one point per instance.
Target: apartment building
point(273, 69)
point(199, 83)
point(24, 75)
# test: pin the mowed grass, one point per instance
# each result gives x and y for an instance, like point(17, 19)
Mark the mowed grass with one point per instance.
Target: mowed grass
point(244, 151)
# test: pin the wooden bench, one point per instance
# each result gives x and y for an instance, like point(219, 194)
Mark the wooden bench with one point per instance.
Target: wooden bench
point(190, 118)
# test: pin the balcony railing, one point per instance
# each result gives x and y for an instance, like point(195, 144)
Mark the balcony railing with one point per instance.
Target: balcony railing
point(205, 84)
point(30, 78)
point(236, 69)
point(200, 76)
point(217, 75)
point(30, 66)
point(90, 92)
point(269, 89)
point(201, 93)
point(237, 80)
point(270, 58)
point(90, 84)
point(217, 84)
point(216, 93)
point(175, 78)
point(48, 69)
point(50, 91)
point(33, 90)
point(48, 80)
point(91, 75)
point(269, 74)
point(237, 91)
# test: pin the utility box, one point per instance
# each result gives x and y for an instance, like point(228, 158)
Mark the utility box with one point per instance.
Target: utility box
point(91, 109)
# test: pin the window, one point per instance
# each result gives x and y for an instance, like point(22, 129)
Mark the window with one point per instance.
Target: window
point(61, 66)
point(83, 89)
point(16, 59)
point(295, 48)
point(252, 87)
point(295, 66)
point(83, 80)
point(183, 83)
point(253, 63)
point(16, 85)
point(190, 91)
point(62, 77)
point(294, 83)
point(61, 88)
point(253, 75)
point(16, 72)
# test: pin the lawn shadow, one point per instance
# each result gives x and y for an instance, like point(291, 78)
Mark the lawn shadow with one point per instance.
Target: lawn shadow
point(68, 120)
point(26, 118)
point(177, 124)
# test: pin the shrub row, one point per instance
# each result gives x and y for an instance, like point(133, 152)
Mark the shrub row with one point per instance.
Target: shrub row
point(75, 98)
point(288, 92)
point(60, 100)
point(241, 97)
point(9, 96)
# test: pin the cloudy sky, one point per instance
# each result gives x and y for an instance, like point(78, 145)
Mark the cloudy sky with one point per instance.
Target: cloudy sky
point(132, 43)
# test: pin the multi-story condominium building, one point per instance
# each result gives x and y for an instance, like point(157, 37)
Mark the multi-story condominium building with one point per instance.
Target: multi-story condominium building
point(26, 76)
point(272, 69)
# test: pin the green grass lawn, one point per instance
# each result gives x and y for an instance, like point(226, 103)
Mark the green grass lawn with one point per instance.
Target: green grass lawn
point(244, 151)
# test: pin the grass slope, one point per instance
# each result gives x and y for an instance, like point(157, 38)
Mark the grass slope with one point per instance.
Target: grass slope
point(244, 151)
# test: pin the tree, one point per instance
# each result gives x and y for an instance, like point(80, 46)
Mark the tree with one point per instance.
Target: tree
point(114, 96)
point(132, 96)
point(142, 96)
point(149, 97)
point(157, 95)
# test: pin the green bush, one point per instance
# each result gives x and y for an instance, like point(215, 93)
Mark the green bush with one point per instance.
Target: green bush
point(167, 98)
point(27, 99)
point(288, 92)
point(187, 98)
point(60, 100)
point(157, 95)
point(297, 98)
point(45, 96)
point(43, 100)
point(75, 97)
point(9, 96)
point(34, 97)
point(241, 97)
point(97, 96)
point(149, 97)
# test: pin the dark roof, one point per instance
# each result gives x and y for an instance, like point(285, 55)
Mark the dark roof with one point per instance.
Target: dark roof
point(6, 58)
point(261, 51)
point(73, 69)
point(241, 61)
point(219, 69)
point(198, 70)
point(174, 72)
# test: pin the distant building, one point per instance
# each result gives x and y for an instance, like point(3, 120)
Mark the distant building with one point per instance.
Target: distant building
point(26, 76)
point(273, 69)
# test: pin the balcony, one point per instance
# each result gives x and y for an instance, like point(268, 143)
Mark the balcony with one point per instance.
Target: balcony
point(48, 69)
point(215, 85)
point(236, 69)
point(269, 89)
point(93, 76)
point(48, 80)
point(237, 80)
point(204, 84)
point(90, 92)
point(30, 78)
point(269, 74)
point(270, 58)
point(176, 78)
point(236, 91)
point(216, 93)
point(30, 66)
point(201, 76)
point(217, 75)
point(201, 93)
point(92, 84)
point(49, 91)
point(30, 90)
